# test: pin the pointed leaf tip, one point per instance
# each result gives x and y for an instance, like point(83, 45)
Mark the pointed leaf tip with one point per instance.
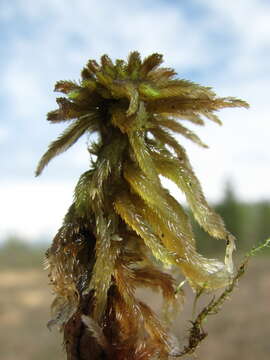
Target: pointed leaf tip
point(72, 133)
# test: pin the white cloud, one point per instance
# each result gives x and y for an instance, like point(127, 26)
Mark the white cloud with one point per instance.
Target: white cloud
point(33, 209)
point(24, 90)
point(4, 134)
point(248, 23)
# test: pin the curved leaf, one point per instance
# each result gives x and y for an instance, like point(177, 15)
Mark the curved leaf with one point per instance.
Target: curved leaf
point(180, 172)
point(66, 86)
point(161, 77)
point(106, 256)
point(68, 110)
point(75, 130)
point(150, 63)
point(182, 104)
point(142, 155)
point(125, 207)
point(178, 128)
point(128, 90)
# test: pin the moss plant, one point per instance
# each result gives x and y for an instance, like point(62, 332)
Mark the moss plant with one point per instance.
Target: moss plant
point(123, 225)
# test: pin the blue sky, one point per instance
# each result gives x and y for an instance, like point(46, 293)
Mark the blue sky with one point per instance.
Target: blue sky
point(222, 44)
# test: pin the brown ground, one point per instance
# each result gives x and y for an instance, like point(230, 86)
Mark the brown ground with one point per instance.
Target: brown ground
point(240, 331)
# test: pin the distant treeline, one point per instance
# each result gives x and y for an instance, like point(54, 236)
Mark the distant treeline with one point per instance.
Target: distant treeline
point(16, 253)
point(248, 222)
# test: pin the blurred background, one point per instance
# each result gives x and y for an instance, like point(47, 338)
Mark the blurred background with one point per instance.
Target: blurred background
point(221, 44)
